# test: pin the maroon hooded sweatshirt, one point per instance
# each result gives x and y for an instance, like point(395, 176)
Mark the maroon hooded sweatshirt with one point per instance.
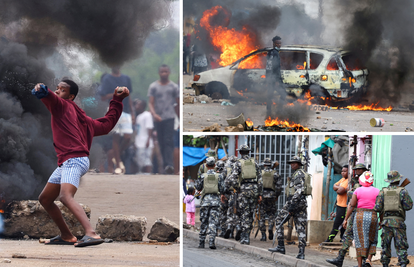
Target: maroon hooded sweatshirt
point(73, 130)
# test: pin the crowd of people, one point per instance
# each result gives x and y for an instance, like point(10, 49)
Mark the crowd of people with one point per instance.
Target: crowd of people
point(235, 191)
point(146, 137)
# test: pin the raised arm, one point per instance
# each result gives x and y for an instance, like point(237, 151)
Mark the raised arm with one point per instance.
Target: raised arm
point(105, 124)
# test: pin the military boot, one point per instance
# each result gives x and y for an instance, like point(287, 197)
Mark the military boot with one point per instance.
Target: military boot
point(263, 236)
point(201, 244)
point(384, 265)
point(229, 232)
point(301, 254)
point(403, 265)
point(270, 234)
point(338, 261)
point(222, 233)
point(211, 244)
point(238, 233)
point(280, 247)
point(246, 238)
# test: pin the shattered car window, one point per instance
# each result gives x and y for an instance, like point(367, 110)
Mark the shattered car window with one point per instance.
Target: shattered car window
point(332, 65)
point(315, 60)
point(352, 63)
point(293, 60)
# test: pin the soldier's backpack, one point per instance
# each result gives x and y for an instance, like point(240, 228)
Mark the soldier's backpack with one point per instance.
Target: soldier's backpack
point(268, 181)
point(392, 202)
point(210, 184)
point(248, 169)
point(307, 191)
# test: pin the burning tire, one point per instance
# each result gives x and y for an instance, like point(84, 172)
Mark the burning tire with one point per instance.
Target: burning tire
point(217, 90)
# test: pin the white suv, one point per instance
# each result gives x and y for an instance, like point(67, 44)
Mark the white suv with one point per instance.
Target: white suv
point(321, 71)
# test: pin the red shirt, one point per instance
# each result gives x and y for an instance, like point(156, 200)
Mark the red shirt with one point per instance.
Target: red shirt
point(73, 130)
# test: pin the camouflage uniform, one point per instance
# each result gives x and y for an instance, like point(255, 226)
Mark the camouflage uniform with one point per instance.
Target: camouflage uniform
point(223, 206)
point(203, 168)
point(233, 218)
point(393, 223)
point(295, 204)
point(248, 194)
point(209, 209)
point(268, 207)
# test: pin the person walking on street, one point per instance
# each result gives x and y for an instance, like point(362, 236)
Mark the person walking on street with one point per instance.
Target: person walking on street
point(272, 187)
point(392, 203)
point(163, 105)
point(211, 185)
point(246, 179)
point(349, 232)
point(295, 206)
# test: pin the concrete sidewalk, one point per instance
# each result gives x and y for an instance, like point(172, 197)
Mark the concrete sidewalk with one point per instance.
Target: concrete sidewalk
point(313, 256)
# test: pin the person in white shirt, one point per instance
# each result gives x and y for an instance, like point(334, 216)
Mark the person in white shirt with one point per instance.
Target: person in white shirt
point(143, 140)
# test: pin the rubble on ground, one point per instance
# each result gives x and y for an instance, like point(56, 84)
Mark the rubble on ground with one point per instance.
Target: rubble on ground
point(121, 227)
point(164, 230)
point(29, 218)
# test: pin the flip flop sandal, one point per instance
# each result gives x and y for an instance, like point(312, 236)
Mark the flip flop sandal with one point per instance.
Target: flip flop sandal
point(89, 241)
point(57, 240)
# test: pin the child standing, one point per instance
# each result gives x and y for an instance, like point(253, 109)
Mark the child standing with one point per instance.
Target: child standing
point(190, 207)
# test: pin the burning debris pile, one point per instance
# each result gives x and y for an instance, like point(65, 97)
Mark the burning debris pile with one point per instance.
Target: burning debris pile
point(34, 35)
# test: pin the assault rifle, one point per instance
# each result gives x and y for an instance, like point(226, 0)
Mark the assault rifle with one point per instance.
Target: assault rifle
point(405, 182)
point(285, 219)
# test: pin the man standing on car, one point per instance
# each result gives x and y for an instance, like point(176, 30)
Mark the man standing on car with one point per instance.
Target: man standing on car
point(273, 75)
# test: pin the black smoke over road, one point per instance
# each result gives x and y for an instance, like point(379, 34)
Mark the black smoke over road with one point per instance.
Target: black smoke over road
point(31, 35)
point(380, 34)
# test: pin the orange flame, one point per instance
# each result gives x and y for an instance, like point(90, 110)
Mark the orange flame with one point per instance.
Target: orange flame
point(1, 211)
point(263, 76)
point(300, 67)
point(295, 126)
point(249, 122)
point(233, 44)
point(374, 107)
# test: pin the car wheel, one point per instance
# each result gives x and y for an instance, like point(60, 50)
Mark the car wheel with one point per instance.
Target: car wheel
point(217, 90)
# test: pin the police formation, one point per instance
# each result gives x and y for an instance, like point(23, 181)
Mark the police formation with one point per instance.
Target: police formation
point(237, 192)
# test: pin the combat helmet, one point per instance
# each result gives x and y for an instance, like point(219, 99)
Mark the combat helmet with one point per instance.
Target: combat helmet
point(211, 153)
point(244, 148)
point(267, 162)
point(210, 161)
point(360, 166)
point(220, 165)
point(232, 159)
point(393, 176)
point(295, 159)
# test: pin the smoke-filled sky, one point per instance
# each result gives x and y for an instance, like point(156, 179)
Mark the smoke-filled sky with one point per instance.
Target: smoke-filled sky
point(36, 37)
point(379, 32)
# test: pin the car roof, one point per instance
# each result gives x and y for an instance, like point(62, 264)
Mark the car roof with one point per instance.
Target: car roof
point(314, 48)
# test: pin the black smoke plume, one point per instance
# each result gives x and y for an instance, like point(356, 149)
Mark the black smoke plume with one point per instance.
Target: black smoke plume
point(31, 35)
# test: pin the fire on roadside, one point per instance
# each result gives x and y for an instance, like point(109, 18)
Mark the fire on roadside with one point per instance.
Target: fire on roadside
point(249, 122)
point(374, 107)
point(291, 126)
point(233, 44)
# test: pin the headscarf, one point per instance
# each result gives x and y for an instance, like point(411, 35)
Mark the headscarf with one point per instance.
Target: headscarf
point(366, 179)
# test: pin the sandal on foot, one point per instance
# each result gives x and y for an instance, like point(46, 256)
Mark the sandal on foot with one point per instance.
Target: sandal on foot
point(57, 240)
point(89, 241)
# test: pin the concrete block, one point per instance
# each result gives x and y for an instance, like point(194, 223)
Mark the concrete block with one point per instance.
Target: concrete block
point(28, 217)
point(121, 227)
point(318, 231)
point(164, 230)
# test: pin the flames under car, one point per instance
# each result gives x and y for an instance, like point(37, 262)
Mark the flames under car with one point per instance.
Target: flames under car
point(314, 70)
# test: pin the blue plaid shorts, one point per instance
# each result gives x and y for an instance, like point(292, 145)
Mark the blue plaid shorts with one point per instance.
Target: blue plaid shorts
point(70, 171)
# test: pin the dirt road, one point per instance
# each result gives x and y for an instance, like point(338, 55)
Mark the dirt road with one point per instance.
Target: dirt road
point(152, 196)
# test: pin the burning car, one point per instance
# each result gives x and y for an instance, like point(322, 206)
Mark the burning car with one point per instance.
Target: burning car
point(320, 71)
